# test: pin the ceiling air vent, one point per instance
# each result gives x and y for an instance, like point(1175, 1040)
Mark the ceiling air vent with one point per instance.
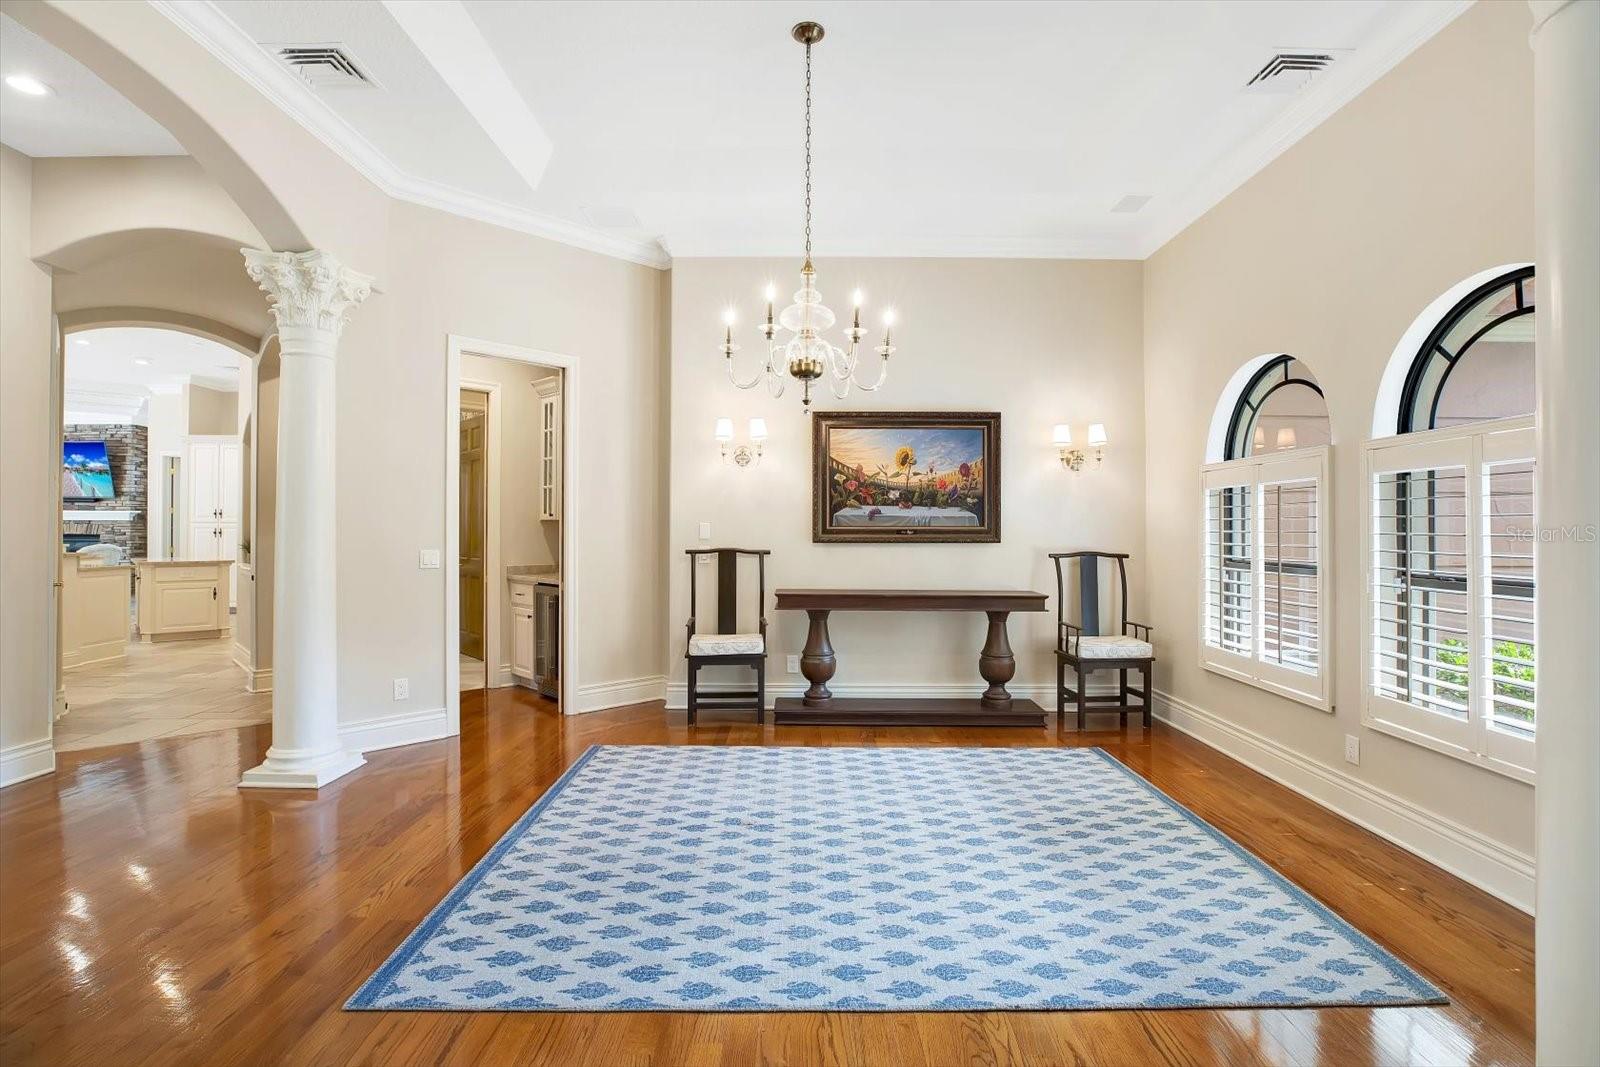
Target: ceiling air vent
point(323, 66)
point(1289, 72)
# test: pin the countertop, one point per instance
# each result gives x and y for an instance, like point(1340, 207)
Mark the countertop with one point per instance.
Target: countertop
point(533, 574)
point(180, 562)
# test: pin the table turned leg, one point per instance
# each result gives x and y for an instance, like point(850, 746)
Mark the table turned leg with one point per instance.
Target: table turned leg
point(996, 663)
point(817, 662)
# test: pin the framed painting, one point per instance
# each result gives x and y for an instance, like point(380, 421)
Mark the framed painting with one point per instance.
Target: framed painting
point(880, 476)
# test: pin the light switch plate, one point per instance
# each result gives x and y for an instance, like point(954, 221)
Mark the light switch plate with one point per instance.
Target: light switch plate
point(429, 559)
point(1352, 749)
point(793, 664)
point(705, 531)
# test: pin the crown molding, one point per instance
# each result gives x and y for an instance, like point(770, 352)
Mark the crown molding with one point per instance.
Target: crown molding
point(1082, 247)
point(1168, 216)
point(1343, 82)
point(237, 50)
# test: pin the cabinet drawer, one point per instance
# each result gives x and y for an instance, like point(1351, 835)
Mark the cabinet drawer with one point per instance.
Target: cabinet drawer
point(522, 595)
point(197, 573)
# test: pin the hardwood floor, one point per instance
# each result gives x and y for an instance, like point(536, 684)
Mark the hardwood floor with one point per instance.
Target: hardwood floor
point(150, 912)
point(162, 689)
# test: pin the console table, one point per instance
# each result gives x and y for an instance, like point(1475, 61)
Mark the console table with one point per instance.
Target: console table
point(996, 664)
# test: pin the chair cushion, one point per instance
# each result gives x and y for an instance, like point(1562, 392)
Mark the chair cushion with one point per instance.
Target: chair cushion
point(726, 645)
point(1114, 646)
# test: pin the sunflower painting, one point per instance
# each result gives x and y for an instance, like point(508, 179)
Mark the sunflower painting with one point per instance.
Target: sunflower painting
point(906, 476)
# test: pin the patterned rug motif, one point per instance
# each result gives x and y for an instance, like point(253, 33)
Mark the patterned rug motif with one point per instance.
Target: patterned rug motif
point(873, 879)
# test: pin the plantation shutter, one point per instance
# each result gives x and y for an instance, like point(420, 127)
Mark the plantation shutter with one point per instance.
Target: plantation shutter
point(1266, 591)
point(1450, 613)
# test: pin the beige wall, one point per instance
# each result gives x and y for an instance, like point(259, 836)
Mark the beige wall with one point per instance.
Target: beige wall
point(28, 476)
point(212, 411)
point(1039, 341)
point(524, 539)
point(453, 276)
point(81, 200)
point(1329, 254)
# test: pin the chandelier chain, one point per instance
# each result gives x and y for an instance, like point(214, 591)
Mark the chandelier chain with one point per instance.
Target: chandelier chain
point(808, 153)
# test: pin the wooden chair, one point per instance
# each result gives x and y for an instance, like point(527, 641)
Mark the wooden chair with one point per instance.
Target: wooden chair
point(726, 647)
point(1086, 649)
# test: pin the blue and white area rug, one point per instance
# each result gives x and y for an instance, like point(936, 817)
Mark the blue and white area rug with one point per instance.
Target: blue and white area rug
point(873, 879)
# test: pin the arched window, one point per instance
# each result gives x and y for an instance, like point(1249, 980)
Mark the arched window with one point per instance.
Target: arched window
point(1281, 408)
point(1265, 580)
point(1477, 363)
point(1450, 615)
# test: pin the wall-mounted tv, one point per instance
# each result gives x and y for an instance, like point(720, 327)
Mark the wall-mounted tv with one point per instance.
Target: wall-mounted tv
point(86, 471)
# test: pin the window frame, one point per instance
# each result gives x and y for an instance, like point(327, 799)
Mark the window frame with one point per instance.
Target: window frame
point(1417, 372)
point(1313, 464)
point(1473, 446)
point(1279, 363)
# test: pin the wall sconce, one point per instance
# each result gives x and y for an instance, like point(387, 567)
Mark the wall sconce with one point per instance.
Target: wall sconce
point(743, 455)
point(1073, 459)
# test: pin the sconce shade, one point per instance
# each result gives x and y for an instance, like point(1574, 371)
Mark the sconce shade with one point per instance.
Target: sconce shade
point(724, 430)
point(1286, 437)
point(1061, 434)
point(758, 429)
point(1097, 434)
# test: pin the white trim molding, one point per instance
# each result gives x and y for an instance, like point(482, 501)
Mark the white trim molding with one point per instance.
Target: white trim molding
point(602, 695)
point(222, 37)
point(392, 731)
point(1479, 860)
point(28, 760)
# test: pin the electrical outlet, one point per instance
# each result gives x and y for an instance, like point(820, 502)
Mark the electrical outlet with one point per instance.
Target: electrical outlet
point(793, 663)
point(428, 559)
point(1352, 749)
point(402, 688)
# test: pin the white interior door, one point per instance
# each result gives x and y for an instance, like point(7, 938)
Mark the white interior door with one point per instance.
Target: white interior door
point(205, 484)
point(230, 460)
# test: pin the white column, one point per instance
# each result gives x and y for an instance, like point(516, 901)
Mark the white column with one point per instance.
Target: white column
point(1566, 194)
point(310, 293)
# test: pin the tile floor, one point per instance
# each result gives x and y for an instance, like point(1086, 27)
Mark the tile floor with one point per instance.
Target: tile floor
point(160, 690)
point(472, 671)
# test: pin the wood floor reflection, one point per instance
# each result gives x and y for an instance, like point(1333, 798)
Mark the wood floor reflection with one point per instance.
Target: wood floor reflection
point(151, 913)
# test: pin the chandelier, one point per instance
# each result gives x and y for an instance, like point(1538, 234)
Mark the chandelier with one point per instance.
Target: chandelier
point(805, 355)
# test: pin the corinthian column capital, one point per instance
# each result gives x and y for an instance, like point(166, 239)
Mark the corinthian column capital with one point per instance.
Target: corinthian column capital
point(307, 289)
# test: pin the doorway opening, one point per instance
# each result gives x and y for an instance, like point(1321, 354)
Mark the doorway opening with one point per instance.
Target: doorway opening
point(154, 532)
point(511, 543)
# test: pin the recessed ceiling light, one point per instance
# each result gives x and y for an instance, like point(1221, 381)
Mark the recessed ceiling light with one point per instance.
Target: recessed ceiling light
point(1129, 204)
point(140, 361)
point(80, 340)
point(27, 83)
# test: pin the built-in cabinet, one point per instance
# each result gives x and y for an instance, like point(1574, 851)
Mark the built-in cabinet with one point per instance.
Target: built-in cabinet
point(214, 466)
point(94, 611)
point(536, 632)
point(180, 599)
point(549, 392)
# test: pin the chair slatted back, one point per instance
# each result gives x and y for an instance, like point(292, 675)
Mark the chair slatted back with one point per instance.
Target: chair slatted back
point(1088, 565)
point(728, 586)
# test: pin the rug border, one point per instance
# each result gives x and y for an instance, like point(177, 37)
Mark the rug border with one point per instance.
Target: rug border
point(1426, 993)
point(1400, 969)
point(364, 994)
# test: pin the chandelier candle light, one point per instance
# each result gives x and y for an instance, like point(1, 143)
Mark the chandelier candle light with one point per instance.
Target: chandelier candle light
point(806, 355)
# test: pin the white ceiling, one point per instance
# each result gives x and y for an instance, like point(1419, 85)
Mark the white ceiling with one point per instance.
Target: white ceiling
point(106, 357)
point(957, 128)
point(82, 116)
point(656, 129)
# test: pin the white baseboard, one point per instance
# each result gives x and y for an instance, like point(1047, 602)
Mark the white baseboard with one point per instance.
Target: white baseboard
point(21, 762)
point(391, 731)
point(1044, 694)
point(255, 681)
point(1469, 855)
point(601, 695)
